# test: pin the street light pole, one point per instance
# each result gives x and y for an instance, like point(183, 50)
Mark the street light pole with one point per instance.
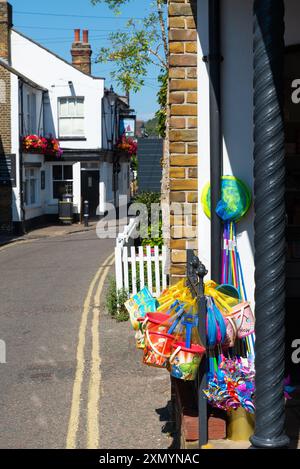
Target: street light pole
point(270, 257)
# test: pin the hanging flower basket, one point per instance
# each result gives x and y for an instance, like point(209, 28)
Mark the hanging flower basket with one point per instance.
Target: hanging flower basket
point(47, 146)
point(127, 144)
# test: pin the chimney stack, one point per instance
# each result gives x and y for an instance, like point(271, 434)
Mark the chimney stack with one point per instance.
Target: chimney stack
point(5, 27)
point(82, 52)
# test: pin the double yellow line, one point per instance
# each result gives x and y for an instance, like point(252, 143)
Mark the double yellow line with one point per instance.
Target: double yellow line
point(95, 373)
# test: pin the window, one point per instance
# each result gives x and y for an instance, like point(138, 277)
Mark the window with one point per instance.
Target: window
point(62, 176)
point(71, 117)
point(31, 186)
point(31, 117)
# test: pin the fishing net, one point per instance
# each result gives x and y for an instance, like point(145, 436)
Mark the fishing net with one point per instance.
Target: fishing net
point(235, 202)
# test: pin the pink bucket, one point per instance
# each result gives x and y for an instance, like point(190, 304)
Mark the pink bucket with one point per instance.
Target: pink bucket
point(244, 319)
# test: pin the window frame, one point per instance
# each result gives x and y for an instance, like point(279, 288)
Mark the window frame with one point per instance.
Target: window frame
point(59, 118)
point(60, 180)
point(31, 118)
point(27, 188)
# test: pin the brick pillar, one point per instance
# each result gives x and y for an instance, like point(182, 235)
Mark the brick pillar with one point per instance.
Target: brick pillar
point(5, 113)
point(183, 129)
point(81, 52)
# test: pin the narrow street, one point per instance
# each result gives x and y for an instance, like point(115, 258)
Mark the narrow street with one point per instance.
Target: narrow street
point(65, 385)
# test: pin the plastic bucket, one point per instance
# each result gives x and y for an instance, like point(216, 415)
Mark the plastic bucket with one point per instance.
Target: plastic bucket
point(184, 362)
point(229, 290)
point(140, 336)
point(158, 348)
point(157, 322)
point(244, 319)
point(241, 425)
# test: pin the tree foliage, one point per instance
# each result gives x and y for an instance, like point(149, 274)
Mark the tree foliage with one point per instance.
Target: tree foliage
point(162, 98)
point(151, 127)
point(132, 51)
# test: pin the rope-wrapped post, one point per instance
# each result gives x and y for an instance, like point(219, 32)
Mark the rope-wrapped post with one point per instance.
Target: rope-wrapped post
point(270, 257)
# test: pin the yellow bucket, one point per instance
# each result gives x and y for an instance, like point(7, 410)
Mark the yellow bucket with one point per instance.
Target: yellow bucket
point(241, 425)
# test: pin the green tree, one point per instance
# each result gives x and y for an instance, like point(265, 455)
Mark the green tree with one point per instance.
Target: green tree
point(132, 51)
point(151, 127)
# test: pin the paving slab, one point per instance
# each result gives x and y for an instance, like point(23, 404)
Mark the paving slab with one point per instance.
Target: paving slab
point(135, 399)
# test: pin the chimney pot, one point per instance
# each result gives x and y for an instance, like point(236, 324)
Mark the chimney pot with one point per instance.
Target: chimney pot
point(85, 36)
point(77, 35)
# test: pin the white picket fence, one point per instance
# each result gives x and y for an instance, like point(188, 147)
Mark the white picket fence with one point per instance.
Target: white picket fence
point(136, 268)
point(125, 238)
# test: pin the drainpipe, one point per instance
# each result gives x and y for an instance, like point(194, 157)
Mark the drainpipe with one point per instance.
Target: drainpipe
point(270, 255)
point(21, 85)
point(216, 151)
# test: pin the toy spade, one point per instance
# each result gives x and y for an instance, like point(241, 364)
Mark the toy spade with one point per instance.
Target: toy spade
point(190, 321)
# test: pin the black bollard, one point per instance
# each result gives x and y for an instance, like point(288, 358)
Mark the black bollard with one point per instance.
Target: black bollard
point(86, 213)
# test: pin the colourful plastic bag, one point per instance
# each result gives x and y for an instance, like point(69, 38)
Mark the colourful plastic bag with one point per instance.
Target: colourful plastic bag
point(140, 304)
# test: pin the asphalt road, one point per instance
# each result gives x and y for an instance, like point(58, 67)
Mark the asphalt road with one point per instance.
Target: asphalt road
point(73, 378)
point(42, 290)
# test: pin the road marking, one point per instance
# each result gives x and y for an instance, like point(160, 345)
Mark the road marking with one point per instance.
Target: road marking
point(75, 407)
point(93, 434)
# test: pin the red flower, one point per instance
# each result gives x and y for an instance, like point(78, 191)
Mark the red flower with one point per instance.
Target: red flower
point(48, 146)
point(127, 144)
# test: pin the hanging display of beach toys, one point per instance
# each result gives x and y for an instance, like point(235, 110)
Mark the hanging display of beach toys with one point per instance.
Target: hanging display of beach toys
point(230, 358)
point(169, 336)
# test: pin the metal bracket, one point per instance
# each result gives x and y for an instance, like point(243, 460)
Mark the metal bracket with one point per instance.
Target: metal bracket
point(213, 58)
point(196, 272)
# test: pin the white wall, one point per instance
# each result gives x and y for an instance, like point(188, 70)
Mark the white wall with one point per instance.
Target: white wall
point(53, 73)
point(204, 244)
point(237, 111)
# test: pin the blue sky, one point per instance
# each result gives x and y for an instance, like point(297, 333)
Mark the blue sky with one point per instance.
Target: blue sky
point(56, 33)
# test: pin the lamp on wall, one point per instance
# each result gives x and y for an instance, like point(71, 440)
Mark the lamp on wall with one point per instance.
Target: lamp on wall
point(112, 99)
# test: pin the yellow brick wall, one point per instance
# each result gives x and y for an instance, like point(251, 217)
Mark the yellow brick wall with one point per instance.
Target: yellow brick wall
point(183, 130)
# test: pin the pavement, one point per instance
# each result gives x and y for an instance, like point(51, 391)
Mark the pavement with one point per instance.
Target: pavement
point(48, 232)
point(72, 377)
